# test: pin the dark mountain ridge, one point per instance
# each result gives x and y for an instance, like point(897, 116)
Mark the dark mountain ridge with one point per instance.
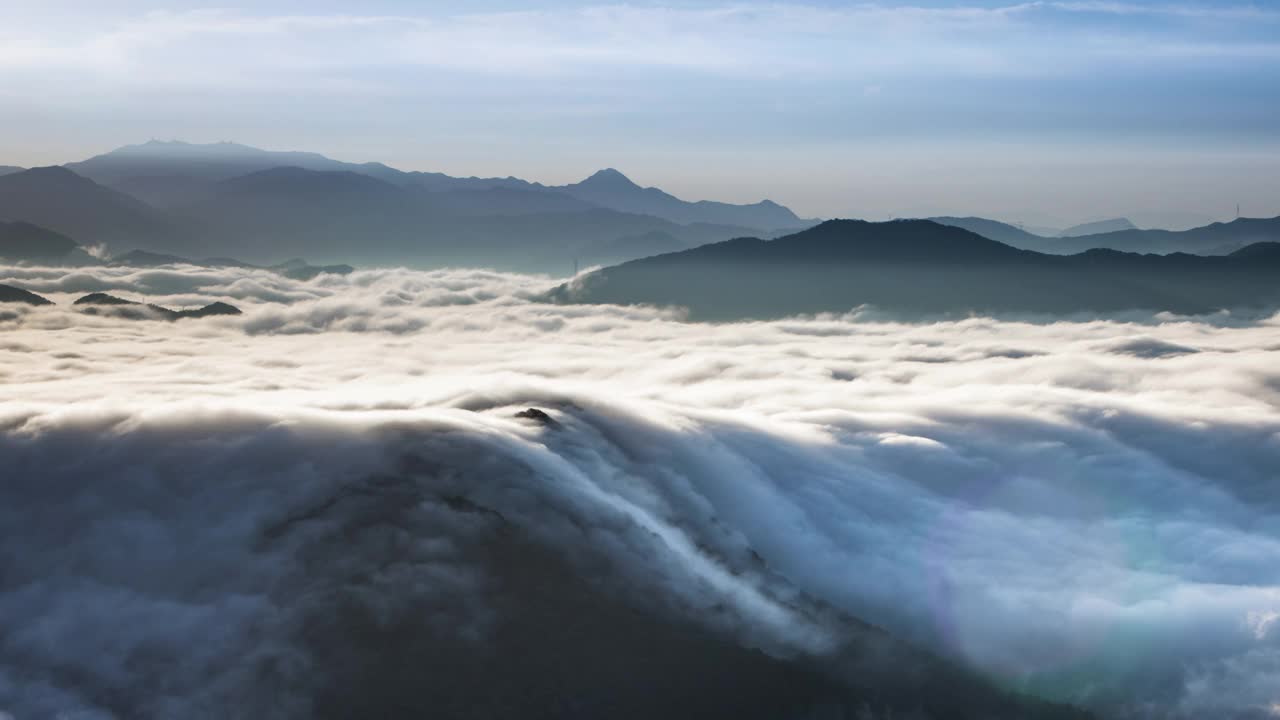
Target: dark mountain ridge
point(229, 199)
point(175, 173)
point(919, 267)
point(610, 188)
point(296, 268)
point(60, 200)
point(347, 216)
point(1098, 227)
point(995, 230)
point(11, 294)
point(102, 303)
point(1213, 239)
point(25, 241)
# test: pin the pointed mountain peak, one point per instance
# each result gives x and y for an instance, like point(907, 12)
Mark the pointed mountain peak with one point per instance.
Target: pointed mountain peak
point(608, 177)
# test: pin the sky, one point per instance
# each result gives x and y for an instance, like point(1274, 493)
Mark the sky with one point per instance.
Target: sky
point(1047, 112)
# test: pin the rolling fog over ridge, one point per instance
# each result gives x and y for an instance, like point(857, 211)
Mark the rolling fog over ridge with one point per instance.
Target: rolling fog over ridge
point(883, 470)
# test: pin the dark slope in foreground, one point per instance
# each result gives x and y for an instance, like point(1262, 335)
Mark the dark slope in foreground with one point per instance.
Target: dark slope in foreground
point(921, 267)
point(452, 575)
point(560, 629)
point(569, 641)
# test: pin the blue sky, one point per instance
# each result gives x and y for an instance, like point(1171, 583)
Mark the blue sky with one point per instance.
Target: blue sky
point(1046, 112)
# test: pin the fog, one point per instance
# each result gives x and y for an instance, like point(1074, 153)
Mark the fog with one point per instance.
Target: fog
point(1083, 509)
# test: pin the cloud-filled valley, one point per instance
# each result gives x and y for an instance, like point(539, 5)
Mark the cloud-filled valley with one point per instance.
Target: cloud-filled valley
point(1083, 509)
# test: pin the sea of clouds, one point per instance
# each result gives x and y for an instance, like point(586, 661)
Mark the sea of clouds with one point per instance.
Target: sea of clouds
point(1087, 509)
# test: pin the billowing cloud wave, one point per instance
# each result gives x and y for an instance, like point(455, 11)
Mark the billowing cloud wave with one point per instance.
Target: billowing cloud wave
point(1086, 510)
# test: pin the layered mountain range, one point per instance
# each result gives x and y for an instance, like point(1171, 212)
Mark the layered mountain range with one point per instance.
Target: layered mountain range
point(226, 199)
point(263, 206)
point(921, 267)
point(1218, 238)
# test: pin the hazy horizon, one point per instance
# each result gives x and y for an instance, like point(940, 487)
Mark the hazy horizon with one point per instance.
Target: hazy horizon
point(1047, 113)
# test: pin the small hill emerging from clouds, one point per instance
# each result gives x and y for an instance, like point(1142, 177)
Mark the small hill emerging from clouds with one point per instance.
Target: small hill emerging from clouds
point(919, 267)
point(11, 294)
point(102, 303)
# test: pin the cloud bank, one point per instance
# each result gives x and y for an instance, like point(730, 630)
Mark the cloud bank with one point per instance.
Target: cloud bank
point(1085, 510)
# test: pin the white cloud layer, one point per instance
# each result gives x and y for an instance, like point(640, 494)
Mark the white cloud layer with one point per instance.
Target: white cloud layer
point(1084, 509)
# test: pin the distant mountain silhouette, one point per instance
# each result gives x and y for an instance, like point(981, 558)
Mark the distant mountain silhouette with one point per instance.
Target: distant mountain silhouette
point(610, 188)
point(231, 199)
point(11, 294)
point(296, 268)
point(234, 200)
point(194, 162)
point(352, 217)
point(1098, 227)
point(922, 267)
point(154, 168)
point(95, 303)
point(174, 174)
point(10, 169)
point(994, 230)
point(24, 241)
point(143, 258)
point(627, 247)
point(310, 272)
point(502, 201)
point(1214, 239)
point(62, 201)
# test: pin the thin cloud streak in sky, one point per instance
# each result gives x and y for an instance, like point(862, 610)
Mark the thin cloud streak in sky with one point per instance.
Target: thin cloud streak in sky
point(738, 38)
